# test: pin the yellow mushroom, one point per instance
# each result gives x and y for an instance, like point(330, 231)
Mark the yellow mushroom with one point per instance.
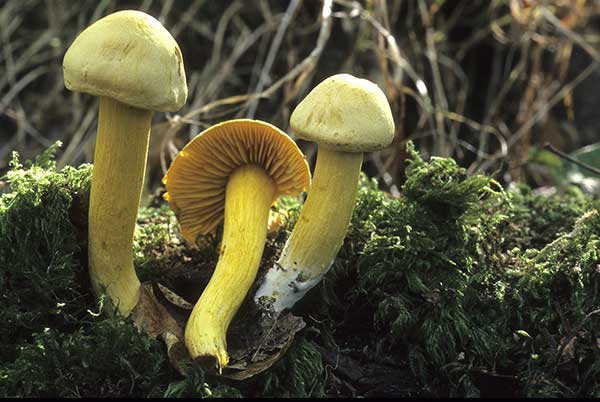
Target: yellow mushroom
point(346, 116)
point(135, 66)
point(232, 171)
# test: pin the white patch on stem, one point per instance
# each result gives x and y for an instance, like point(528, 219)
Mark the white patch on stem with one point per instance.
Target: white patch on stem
point(286, 286)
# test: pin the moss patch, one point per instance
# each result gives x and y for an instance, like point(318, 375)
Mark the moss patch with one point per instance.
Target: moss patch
point(456, 288)
point(39, 255)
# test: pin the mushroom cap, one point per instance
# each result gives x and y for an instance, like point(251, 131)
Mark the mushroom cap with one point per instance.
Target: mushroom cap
point(197, 178)
point(345, 113)
point(128, 56)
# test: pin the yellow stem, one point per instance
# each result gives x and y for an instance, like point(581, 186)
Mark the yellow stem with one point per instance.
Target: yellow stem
point(248, 198)
point(319, 232)
point(118, 176)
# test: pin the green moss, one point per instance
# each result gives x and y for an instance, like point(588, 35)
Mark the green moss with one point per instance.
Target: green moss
point(429, 278)
point(292, 207)
point(102, 358)
point(195, 386)
point(457, 288)
point(155, 228)
point(415, 267)
point(553, 292)
point(443, 188)
point(52, 343)
point(299, 374)
point(154, 235)
point(39, 255)
point(535, 220)
point(161, 254)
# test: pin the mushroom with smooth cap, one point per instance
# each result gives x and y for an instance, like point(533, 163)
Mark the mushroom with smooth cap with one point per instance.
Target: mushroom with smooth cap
point(346, 116)
point(135, 66)
point(232, 171)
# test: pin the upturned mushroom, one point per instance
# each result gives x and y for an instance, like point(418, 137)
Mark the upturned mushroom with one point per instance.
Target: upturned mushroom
point(134, 65)
point(346, 116)
point(231, 172)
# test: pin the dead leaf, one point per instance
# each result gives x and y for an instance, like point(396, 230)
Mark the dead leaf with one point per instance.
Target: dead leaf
point(260, 343)
point(568, 352)
point(174, 298)
point(152, 317)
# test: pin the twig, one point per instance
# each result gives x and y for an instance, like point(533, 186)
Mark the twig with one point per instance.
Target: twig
point(307, 64)
point(570, 34)
point(566, 89)
point(423, 97)
point(390, 39)
point(167, 5)
point(264, 74)
point(20, 85)
point(186, 17)
point(574, 332)
point(311, 60)
point(215, 73)
point(563, 155)
point(78, 138)
point(440, 146)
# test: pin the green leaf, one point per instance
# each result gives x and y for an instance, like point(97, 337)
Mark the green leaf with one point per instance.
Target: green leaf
point(590, 155)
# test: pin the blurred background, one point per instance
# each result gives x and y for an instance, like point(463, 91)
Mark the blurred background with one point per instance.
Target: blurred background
point(502, 86)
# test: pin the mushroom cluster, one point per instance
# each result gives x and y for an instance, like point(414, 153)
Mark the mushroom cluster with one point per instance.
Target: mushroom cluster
point(230, 173)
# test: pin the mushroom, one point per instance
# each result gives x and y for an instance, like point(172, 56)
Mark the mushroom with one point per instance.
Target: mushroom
point(232, 171)
point(135, 66)
point(346, 116)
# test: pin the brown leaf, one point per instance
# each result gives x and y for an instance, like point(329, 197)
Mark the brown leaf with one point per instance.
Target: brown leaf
point(568, 352)
point(174, 298)
point(152, 317)
point(259, 342)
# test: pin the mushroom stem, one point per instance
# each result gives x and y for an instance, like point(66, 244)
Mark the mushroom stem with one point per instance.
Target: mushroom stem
point(319, 232)
point(249, 194)
point(118, 176)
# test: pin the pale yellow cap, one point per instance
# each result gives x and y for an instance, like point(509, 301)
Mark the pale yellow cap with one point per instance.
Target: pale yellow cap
point(128, 56)
point(345, 113)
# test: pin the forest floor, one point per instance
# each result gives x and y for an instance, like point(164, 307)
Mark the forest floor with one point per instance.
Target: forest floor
point(455, 288)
